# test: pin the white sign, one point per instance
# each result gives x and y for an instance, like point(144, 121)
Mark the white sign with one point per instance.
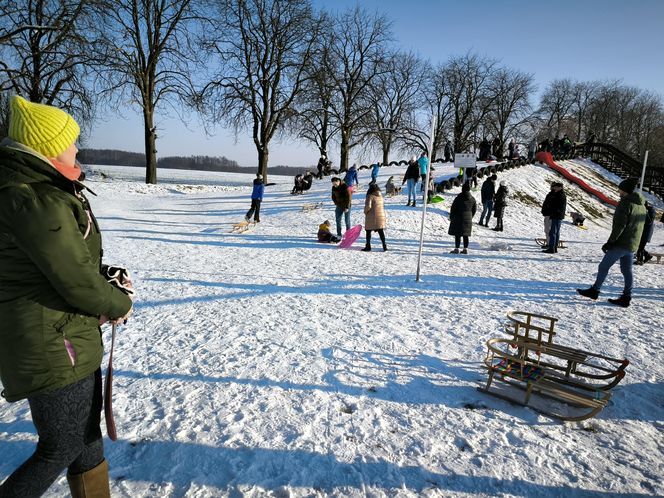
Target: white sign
point(464, 160)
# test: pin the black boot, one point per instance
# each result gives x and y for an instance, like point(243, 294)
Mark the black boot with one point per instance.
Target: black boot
point(367, 248)
point(623, 301)
point(590, 292)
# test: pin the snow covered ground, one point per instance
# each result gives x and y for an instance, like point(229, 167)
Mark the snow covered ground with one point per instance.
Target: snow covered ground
point(267, 364)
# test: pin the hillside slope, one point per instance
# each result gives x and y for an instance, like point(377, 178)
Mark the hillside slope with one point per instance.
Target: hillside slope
point(267, 364)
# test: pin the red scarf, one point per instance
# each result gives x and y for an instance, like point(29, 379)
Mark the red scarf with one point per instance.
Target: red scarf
point(69, 172)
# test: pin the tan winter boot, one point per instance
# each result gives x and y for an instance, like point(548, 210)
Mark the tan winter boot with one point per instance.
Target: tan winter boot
point(90, 484)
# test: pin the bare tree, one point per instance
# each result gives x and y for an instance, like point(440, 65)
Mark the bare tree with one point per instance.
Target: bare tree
point(313, 121)
point(355, 58)
point(263, 48)
point(467, 78)
point(510, 92)
point(556, 105)
point(394, 95)
point(148, 56)
point(583, 94)
point(45, 52)
point(436, 102)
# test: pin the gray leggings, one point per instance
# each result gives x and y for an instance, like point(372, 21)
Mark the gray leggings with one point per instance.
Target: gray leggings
point(67, 422)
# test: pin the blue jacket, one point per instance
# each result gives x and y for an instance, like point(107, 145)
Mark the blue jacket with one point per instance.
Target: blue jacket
point(351, 177)
point(423, 162)
point(375, 170)
point(259, 188)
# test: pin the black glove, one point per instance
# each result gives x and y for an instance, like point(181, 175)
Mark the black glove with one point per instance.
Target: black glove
point(119, 277)
point(607, 247)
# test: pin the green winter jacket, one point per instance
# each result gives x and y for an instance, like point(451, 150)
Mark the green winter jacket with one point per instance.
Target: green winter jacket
point(51, 291)
point(628, 221)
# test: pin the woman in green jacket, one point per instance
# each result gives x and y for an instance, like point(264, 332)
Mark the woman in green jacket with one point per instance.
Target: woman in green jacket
point(53, 298)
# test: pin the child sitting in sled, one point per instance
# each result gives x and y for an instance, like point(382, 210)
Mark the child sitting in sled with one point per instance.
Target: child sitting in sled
point(324, 234)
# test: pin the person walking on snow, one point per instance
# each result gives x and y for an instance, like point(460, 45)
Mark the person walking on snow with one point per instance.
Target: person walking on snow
point(499, 203)
point(256, 199)
point(488, 191)
point(547, 218)
point(342, 198)
point(351, 178)
point(411, 177)
point(554, 206)
point(375, 169)
point(423, 163)
point(628, 221)
point(53, 299)
point(374, 216)
point(461, 218)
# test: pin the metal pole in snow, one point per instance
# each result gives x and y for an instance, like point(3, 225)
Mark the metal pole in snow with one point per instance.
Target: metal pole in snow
point(426, 195)
point(643, 172)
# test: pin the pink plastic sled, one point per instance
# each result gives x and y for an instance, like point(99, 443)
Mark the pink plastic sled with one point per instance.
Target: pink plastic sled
point(350, 236)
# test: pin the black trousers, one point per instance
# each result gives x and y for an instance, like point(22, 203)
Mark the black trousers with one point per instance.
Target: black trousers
point(381, 234)
point(457, 241)
point(255, 210)
point(67, 422)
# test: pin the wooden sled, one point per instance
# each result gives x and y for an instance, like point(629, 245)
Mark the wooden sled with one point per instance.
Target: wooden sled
point(311, 206)
point(542, 243)
point(657, 258)
point(574, 367)
point(530, 383)
point(242, 226)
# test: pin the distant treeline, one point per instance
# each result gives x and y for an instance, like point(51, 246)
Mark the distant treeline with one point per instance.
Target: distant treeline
point(202, 163)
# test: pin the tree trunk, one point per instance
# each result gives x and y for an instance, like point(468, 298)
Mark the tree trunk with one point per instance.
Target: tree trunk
point(343, 162)
point(150, 147)
point(386, 155)
point(263, 154)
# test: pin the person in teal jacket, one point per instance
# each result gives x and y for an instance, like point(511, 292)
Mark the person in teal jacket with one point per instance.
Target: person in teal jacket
point(628, 221)
point(53, 299)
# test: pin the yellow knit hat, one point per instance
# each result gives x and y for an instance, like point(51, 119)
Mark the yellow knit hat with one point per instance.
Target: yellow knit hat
point(44, 128)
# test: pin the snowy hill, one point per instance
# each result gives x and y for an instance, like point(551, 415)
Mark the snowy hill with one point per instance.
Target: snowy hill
point(267, 364)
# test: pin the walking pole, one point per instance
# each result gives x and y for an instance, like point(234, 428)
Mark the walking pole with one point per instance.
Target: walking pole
point(426, 195)
point(643, 172)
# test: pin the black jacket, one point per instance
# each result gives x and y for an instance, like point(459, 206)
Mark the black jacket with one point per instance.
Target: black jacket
point(500, 201)
point(461, 215)
point(488, 190)
point(413, 171)
point(554, 206)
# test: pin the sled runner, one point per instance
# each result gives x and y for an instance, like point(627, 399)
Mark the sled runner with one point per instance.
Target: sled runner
point(528, 382)
point(311, 206)
point(350, 236)
point(243, 226)
point(657, 258)
point(542, 243)
point(571, 366)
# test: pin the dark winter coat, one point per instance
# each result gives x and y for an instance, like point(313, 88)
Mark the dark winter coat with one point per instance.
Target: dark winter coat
point(649, 225)
point(461, 215)
point(448, 151)
point(488, 190)
point(258, 190)
point(628, 221)
point(412, 172)
point(51, 289)
point(555, 205)
point(500, 201)
point(341, 196)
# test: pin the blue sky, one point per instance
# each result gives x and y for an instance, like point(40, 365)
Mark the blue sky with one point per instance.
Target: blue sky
point(583, 39)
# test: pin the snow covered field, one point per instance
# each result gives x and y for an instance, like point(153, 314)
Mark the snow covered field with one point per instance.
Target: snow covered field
point(267, 364)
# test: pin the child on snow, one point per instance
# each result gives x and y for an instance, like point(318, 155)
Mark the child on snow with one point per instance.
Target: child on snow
point(324, 234)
